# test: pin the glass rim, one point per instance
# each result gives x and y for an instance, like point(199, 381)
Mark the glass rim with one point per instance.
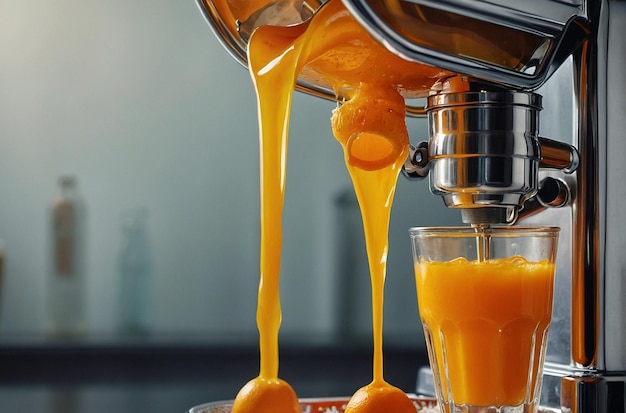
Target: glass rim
point(501, 231)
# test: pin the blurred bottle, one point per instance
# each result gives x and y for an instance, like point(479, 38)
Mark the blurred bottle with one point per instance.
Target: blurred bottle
point(1, 274)
point(65, 315)
point(135, 274)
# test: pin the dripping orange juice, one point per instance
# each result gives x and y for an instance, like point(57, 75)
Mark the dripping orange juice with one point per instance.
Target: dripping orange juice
point(486, 323)
point(333, 49)
point(371, 129)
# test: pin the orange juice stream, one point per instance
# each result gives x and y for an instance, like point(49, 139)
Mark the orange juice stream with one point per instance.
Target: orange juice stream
point(274, 95)
point(371, 129)
point(482, 320)
point(273, 66)
point(375, 191)
point(332, 47)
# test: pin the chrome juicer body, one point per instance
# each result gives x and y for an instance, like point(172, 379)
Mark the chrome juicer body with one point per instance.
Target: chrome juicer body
point(485, 155)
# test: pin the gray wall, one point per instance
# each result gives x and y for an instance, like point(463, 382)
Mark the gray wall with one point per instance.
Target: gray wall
point(139, 102)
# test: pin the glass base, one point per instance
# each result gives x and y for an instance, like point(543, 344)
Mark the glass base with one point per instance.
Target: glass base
point(524, 408)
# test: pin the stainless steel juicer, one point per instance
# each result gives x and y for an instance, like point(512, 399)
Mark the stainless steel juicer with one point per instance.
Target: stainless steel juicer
point(485, 155)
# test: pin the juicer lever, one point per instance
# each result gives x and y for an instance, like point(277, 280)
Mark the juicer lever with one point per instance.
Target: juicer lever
point(552, 193)
point(558, 155)
point(416, 165)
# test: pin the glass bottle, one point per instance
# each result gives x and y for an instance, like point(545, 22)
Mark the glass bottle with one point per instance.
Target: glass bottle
point(134, 295)
point(2, 266)
point(65, 315)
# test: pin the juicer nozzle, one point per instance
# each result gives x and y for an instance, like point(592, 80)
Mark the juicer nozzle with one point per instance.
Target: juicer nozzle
point(484, 154)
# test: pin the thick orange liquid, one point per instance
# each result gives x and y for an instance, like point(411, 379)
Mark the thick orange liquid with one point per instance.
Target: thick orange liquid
point(333, 49)
point(478, 318)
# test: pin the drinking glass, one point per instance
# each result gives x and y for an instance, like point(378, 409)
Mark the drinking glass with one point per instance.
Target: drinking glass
point(485, 301)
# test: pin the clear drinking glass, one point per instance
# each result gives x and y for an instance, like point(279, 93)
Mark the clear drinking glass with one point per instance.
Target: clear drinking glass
point(485, 300)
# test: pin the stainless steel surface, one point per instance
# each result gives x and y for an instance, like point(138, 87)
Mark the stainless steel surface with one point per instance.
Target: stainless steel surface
point(558, 155)
point(598, 262)
point(484, 152)
point(551, 27)
point(612, 52)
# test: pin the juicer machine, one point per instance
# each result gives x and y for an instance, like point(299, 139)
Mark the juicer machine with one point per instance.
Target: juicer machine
point(563, 61)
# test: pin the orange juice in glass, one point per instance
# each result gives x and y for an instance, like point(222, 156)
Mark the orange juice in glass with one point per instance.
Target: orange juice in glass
point(485, 300)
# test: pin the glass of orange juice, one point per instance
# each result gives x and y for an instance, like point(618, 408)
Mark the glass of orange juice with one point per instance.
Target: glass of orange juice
point(485, 300)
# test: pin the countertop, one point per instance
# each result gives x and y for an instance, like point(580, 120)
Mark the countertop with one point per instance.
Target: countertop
point(170, 375)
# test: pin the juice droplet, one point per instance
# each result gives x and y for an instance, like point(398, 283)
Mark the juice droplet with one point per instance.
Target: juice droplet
point(380, 397)
point(261, 395)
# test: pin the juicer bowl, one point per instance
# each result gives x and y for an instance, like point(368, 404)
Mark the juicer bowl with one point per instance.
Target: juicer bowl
point(319, 405)
point(332, 405)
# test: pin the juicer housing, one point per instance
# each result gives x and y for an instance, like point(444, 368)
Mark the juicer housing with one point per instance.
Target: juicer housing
point(585, 41)
point(486, 157)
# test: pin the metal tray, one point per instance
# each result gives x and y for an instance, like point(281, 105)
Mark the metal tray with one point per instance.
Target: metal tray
point(319, 405)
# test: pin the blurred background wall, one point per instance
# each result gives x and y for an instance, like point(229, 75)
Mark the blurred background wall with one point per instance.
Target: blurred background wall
point(139, 102)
